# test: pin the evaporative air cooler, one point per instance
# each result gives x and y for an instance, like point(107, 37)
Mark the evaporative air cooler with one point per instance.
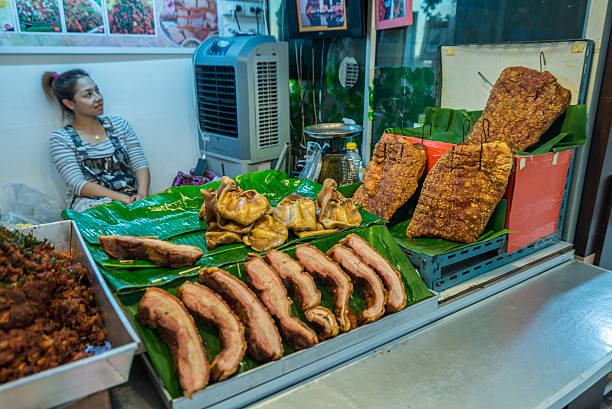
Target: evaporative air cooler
point(242, 95)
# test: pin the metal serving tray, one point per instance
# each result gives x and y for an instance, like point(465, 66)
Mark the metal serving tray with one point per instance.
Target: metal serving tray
point(272, 377)
point(77, 379)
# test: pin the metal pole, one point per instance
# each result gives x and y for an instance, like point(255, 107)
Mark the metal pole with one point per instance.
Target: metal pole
point(369, 80)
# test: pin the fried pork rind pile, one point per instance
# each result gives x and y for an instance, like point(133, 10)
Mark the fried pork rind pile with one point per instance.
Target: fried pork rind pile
point(460, 192)
point(236, 216)
point(521, 107)
point(392, 176)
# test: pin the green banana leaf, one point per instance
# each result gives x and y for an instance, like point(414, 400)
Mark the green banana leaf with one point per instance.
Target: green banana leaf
point(377, 235)
point(568, 131)
point(434, 247)
point(175, 210)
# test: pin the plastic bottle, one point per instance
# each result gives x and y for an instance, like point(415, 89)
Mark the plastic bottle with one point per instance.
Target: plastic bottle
point(351, 164)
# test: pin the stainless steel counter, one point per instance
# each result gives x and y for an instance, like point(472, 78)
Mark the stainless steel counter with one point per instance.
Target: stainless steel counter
point(540, 343)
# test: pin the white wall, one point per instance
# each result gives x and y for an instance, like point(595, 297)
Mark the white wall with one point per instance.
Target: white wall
point(153, 92)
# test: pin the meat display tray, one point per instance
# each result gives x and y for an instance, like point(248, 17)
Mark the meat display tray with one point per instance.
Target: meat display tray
point(257, 383)
point(77, 379)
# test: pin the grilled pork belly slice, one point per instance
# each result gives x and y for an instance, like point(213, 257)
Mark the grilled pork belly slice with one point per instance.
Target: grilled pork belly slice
point(208, 307)
point(160, 310)
point(271, 292)
point(305, 291)
point(162, 253)
point(369, 282)
point(390, 276)
point(263, 340)
point(319, 265)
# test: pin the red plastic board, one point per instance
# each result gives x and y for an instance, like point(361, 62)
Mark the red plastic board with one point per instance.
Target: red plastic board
point(435, 149)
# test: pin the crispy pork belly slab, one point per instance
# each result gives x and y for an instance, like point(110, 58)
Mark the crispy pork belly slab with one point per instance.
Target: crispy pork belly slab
point(323, 320)
point(319, 265)
point(162, 253)
point(208, 307)
point(263, 340)
point(369, 282)
point(271, 292)
point(160, 310)
point(390, 276)
point(305, 291)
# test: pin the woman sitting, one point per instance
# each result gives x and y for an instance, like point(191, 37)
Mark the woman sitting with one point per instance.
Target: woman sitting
point(98, 156)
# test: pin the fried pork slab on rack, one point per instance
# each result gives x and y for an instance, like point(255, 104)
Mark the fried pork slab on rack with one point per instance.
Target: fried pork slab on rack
point(305, 291)
point(521, 107)
point(392, 176)
point(461, 191)
point(388, 274)
point(273, 295)
point(162, 253)
point(161, 310)
point(208, 307)
point(338, 282)
point(263, 340)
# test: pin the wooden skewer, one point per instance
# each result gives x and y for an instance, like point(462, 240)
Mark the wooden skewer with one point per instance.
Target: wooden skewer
point(149, 237)
point(157, 280)
point(126, 261)
point(188, 270)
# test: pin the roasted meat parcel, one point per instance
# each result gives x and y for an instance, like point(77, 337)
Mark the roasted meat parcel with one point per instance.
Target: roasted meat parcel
point(160, 310)
point(336, 211)
point(392, 176)
point(390, 276)
point(369, 282)
point(242, 207)
point(162, 253)
point(304, 289)
point(263, 340)
point(521, 107)
point(267, 234)
point(273, 295)
point(461, 191)
point(208, 307)
point(297, 212)
point(339, 283)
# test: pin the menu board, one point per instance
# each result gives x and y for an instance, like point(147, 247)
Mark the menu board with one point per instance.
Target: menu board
point(112, 24)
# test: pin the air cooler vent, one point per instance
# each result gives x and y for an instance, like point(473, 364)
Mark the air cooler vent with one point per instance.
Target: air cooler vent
point(217, 99)
point(267, 103)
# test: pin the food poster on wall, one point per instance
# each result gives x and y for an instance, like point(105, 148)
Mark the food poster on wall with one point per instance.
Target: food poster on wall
point(39, 16)
point(106, 23)
point(7, 17)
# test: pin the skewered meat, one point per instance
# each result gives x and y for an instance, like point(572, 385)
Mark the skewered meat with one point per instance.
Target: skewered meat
point(242, 207)
point(48, 312)
point(160, 310)
point(160, 252)
point(207, 306)
point(267, 234)
point(371, 285)
point(297, 213)
point(305, 291)
point(216, 237)
point(461, 191)
point(263, 340)
point(336, 211)
point(271, 292)
point(390, 276)
point(319, 265)
point(392, 176)
point(521, 107)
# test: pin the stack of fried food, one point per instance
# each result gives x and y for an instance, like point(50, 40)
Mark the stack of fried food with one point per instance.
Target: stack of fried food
point(461, 191)
point(237, 216)
point(48, 313)
point(254, 317)
point(521, 107)
point(392, 176)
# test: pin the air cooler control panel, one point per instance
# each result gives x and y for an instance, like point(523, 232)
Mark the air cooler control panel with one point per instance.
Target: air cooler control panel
point(219, 47)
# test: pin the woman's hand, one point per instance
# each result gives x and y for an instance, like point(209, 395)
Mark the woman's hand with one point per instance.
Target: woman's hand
point(125, 199)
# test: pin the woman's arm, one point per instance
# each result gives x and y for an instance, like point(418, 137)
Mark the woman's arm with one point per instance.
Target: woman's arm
point(143, 178)
point(91, 189)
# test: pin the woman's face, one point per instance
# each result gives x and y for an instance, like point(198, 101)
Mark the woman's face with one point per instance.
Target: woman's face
point(87, 99)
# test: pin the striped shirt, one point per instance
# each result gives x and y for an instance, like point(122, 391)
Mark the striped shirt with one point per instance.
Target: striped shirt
point(64, 155)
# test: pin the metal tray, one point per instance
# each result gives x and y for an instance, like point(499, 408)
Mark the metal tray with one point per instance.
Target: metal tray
point(272, 377)
point(77, 379)
point(332, 130)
